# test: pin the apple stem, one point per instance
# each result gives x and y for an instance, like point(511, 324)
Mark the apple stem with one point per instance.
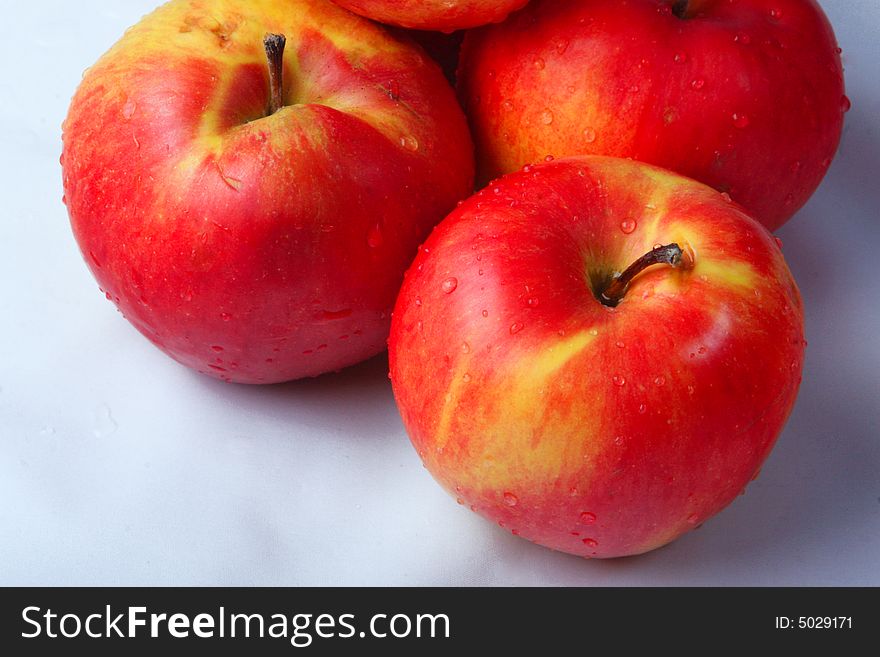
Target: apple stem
point(613, 294)
point(274, 44)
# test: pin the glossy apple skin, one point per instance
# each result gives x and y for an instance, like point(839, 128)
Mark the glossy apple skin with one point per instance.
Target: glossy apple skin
point(254, 249)
point(439, 15)
point(745, 96)
point(597, 431)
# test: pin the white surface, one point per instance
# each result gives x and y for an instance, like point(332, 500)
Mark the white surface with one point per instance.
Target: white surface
point(118, 466)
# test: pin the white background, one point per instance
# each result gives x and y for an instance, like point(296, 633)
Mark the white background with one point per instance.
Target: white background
point(118, 466)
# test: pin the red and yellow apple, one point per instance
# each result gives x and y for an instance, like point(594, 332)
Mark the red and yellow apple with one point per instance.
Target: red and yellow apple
point(745, 96)
point(440, 15)
point(257, 230)
point(597, 354)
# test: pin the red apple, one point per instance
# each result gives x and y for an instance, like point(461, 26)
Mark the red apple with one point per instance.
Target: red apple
point(441, 15)
point(252, 244)
point(745, 96)
point(596, 413)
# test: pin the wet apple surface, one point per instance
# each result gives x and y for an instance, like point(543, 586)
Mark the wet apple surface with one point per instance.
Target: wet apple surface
point(252, 242)
point(614, 350)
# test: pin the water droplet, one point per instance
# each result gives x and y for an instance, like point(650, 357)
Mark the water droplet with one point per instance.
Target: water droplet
point(515, 328)
point(532, 302)
point(546, 117)
point(507, 105)
point(726, 197)
point(225, 317)
point(393, 90)
point(103, 423)
point(466, 378)
point(692, 519)
point(659, 381)
point(590, 542)
point(845, 103)
point(217, 348)
point(680, 58)
point(589, 135)
point(618, 440)
point(409, 142)
point(485, 313)
point(538, 63)
point(449, 285)
point(618, 380)
point(698, 84)
point(374, 237)
point(588, 518)
point(510, 499)
point(743, 38)
point(129, 109)
point(628, 226)
point(562, 46)
point(778, 242)
point(620, 344)
point(740, 120)
point(776, 13)
point(642, 409)
point(690, 390)
point(418, 301)
point(458, 500)
point(549, 158)
point(634, 89)
point(594, 332)
point(465, 348)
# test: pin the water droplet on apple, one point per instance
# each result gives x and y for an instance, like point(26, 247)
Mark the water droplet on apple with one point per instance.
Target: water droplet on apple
point(618, 380)
point(485, 313)
point(507, 105)
point(618, 440)
point(692, 519)
point(562, 46)
point(628, 226)
point(589, 135)
point(409, 142)
point(515, 328)
point(538, 63)
point(594, 332)
point(776, 13)
point(845, 103)
point(217, 348)
point(643, 408)
point(547, 117)
point(778, 242)
point(374, 237)
point(588, 518)
point(449, 285)
point(740, 120)
point(698, 84)
point(590, 542)
point(660, 381)
point(620, 344)
point(129, 109)
point(726, 197)
point(690, 390)
point(465, 348)
point(393, 90)
point(225, 317)
point(743, 39)
point(510, 499)
point(680, 58)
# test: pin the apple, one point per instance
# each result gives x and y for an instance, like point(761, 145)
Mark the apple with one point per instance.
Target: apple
point(440, 15)
point(745, 96)
point(597, 354)
point(251, 209)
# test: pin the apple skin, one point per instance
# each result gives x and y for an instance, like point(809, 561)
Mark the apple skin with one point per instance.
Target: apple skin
point(260, 249)
point(597, 431)
point(747, 97)
point(439, 15)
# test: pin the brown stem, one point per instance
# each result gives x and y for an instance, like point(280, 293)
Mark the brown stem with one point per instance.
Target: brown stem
point(613, 294)
point(274, 44)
